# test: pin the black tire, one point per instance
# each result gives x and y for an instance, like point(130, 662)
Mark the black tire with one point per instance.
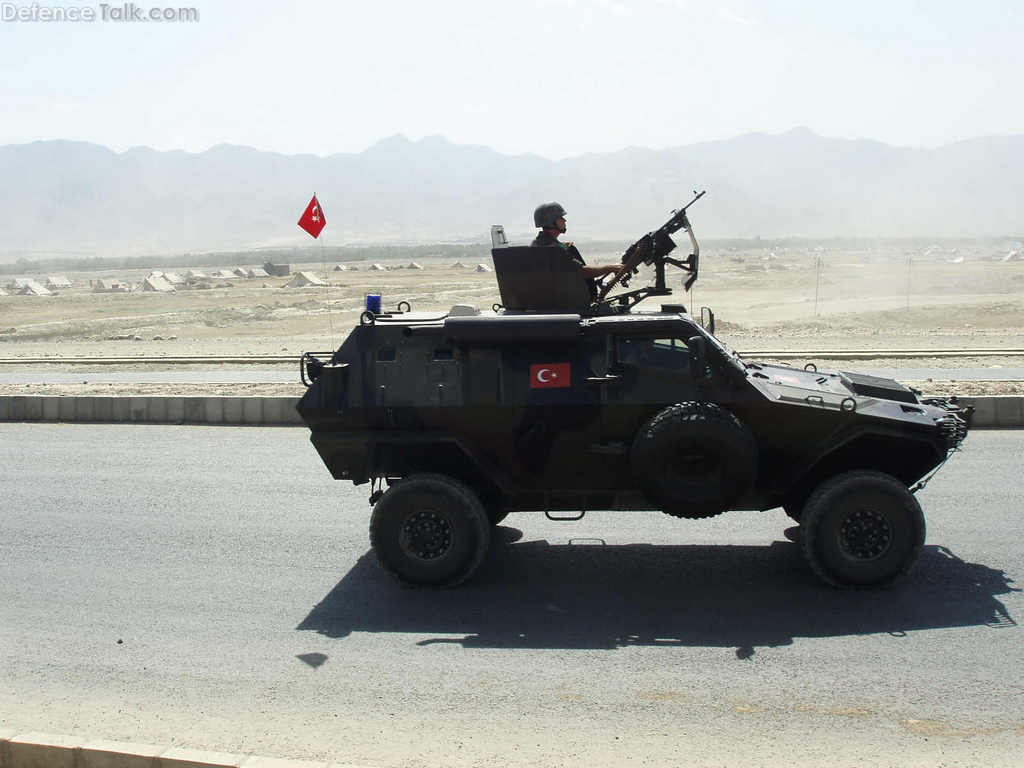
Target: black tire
point(862, 529)
point(430, 530)
point(694, 459)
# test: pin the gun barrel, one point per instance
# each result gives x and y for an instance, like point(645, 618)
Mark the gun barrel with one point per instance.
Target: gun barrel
point(678, 220)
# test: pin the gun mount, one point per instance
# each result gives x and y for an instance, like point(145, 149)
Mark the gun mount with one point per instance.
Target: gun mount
point(654, 249)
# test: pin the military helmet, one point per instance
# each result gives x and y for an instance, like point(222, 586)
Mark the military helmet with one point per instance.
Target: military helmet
point(547, 214)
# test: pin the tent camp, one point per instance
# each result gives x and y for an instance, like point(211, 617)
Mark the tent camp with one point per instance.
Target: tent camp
point(302, 279)
point(156, 284)
point(57, 281)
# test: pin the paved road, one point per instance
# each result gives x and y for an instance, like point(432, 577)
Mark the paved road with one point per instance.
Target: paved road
point(212, 586)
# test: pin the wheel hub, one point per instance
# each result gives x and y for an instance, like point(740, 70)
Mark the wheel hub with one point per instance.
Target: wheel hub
point(426, 535)
point(865, 535)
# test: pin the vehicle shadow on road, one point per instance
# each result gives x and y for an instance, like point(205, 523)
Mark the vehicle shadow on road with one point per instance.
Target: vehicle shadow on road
point(584, 594)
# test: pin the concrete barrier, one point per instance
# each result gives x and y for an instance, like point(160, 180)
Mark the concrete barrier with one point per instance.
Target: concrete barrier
point(44, 750)
point(997, 411)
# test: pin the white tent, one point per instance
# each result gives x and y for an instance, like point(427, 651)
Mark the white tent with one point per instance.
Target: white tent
point(157, 284)
point(414, 265)
point(302, 279)
point(173, 278)
point(57, 281)
point(376, 268)
point(482, 268)
point(257, 272)
point(32, 288)
point(239, 272)
point(458, 265)
point(194, 275)
point(222, 274)
point(340, 268)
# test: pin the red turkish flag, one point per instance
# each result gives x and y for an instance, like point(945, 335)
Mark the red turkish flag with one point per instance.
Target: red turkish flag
point(313, 220)
point(548, 375)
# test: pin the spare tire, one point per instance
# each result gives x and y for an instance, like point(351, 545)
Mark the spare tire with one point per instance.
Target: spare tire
point(694, 459)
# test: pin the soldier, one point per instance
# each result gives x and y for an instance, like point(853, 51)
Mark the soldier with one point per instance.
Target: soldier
point(550, 218)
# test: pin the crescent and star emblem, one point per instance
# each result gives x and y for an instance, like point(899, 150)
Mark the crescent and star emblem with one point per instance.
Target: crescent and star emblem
point(550, 375)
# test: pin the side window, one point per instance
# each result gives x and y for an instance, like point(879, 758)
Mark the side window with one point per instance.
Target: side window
point(660, 353)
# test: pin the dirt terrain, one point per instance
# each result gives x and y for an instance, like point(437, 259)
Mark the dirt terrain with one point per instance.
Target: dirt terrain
point(764, 298)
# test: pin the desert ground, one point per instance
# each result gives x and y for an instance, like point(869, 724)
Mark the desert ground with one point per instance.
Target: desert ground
point(922, 297)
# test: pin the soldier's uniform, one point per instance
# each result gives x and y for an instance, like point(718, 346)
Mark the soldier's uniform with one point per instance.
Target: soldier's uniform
point(545, 239)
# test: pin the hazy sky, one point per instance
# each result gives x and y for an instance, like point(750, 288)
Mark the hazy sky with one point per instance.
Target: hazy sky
point(554, 77)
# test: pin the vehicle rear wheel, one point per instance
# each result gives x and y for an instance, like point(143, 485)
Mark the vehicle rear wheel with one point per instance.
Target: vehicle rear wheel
point(862, 529)
point(694, 459)
point(430, 530)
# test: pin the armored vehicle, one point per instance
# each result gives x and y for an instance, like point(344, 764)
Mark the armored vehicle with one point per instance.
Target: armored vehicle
point(564, 399)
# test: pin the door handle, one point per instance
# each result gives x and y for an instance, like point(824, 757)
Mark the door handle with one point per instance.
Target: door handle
point(603, 381)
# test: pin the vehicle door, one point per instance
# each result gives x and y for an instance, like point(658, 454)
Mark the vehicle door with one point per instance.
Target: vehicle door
point(653, 371)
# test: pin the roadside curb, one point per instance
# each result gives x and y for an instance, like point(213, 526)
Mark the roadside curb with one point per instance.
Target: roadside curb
point(256, 411)
point(990, 411)
point(46, 750)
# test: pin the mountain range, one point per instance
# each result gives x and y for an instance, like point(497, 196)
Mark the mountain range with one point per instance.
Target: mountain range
point(80, 198)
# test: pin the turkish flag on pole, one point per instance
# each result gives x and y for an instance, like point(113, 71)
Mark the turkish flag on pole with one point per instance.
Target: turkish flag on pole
point(312, 219)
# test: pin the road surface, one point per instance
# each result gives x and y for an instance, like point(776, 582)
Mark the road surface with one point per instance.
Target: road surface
point(213, 587)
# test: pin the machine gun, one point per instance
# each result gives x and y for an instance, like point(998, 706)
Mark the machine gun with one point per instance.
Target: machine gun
point(654, 248)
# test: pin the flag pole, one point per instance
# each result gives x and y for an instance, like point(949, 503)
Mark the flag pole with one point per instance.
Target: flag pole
point(327, 280)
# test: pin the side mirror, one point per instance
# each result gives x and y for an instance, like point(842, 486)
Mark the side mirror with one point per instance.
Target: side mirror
point(698, 356)
point(707, 319)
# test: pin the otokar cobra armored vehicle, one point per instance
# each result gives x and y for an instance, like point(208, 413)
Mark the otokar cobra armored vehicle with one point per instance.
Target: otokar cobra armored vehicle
point(564, 399)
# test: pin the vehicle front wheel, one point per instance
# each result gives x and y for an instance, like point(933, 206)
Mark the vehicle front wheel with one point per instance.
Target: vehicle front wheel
point(430, 530)
point(862, 529)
